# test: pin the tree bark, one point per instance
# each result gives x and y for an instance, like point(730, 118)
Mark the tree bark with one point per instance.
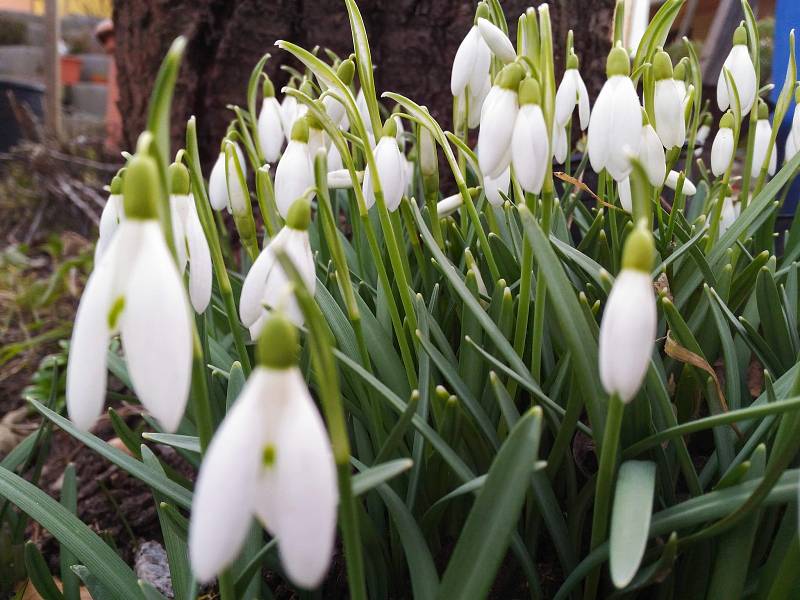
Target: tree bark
point(413, 44)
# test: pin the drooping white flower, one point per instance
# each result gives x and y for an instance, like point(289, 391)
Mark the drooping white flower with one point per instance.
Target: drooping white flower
point(113, 214)
point(722, 146)
point(614, 127)
point(743, 72)
point(471, 64)
point(295, 173)
point(270, 126)
point(790, 149)
point(625, 196)
point(559, 144)
point(135, 290)
point(651, 155)
point(668, 104)
point(191, 245)
point(761, 145)
point(729, 214)
point(266, 286)
point(529, 143)
point(671, 182)
point(334, 159)
point(363, 110)
point(794, 132)
point(340, 179)
point(493, 186)
point(497, 41)
point(628, 328)
point(449, 205)
point(217, 181)
point(498, 118)
point(476, 100)
point(271, 459)
point(572, 91)
point(391, 167)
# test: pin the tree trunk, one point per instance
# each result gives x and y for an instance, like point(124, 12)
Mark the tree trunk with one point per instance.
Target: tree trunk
point(413, 44)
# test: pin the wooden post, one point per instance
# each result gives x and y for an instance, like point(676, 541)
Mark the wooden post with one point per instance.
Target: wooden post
point(52, 68)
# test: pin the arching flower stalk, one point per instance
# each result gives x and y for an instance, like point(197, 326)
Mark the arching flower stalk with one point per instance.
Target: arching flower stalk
point(761, 144)
point(667, 103)
point(270, 459)
point(722, 147)
point(270, 127)
point(135, 290)
point(743, 72)
point(294, 174)
point(191, 245)
point(529, 142)
point(391, 167)
point(497, 121)
point(613, 134)
point(571, 92)
point(266, 286)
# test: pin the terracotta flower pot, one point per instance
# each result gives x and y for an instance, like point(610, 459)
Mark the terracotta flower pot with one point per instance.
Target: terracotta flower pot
point(70, 70)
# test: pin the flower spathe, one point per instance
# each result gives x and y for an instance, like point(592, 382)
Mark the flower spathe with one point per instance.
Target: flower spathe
point(743, 72)
point(628, 327)
point(266, 285)
point(614, 127)
point(498, 117)
point(135, 290)
point(294, 174)
point(270, 459)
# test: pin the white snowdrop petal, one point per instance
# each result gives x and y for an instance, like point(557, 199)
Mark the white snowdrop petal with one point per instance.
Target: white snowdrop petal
point(599, 135)
point(497, 41)
point(217, 184)
point(226, 484)
point(529, 152)
point(583, 101)
point(391, 171)
point(559, 144)
point(651, 155)
point(334, 159)
point(270, 129)
point(293, 176)
point(288, 114)
point(340, 179)
point(761, 146)
point(449, 205)
point(790, 149)
point(722, 151)
point(464, 62)
point(672, 182)
point(744, 74)
point(250, 307)
point(497, 126)
point(200, 271)
point(625, 198)
point(178, 208)
point(566, 97)
point(493, 186)
point(625, 128)
point(670, 124)
point(156, 330)
point(627, 333)
point(795, 130)
point(306, 494)
point(480, 69)
point(727, 215)
point(113, 213)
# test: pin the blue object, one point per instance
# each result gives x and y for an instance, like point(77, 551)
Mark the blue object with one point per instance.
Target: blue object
point(787, 17)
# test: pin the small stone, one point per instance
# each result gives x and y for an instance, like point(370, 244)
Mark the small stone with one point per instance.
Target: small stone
point(151, 565)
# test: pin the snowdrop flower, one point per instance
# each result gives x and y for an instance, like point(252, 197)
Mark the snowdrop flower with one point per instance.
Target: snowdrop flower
point(761, 145)
point(363, 110)
point(288, 111)
point(270, 127)
point(729, 214)
point(679, 76)
point(790, 149)
point(335, 109)
point(113, 214)
point(316, 136)
point(529, 143)
point(498, 118)
point(217, 181)
point(722, 146)
point(271, 459)
point(497, 41)
point(493, 186)
point(266, 285)
point(340, 179)
point(703, 131)
point(449, 205)
point(651, 154)
point(559, 144)
point(572, 91)
point(625, 196)
point(135, 290)
point(472, 60)
point(476, 100)
point(612, 125)
point(334, 159)
point(628, 328)
point(390, 164)
point(294, 174)
point(668, 104)
point(672, 183)
point(191, 244)
point(743, 72)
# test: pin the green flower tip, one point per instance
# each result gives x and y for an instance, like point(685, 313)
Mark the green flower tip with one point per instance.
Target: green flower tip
point(726, 122)
point(313, 121)
point(307, 88)
point(268, 89)
point(510, 76)
point(639, 250)
point(346, 71)
point(679, 72)
point(572, 60)
point(482, 12)
point(618, 62)
point(140, 188)
point(178, 176)
point(299, 216)
point(707, 120)
point(529, 92)
point(300, 131)
point(763, 111)
point(662, 66)
point(278, 345)
point(740, 36)
point(116, 184)
point(390, 127)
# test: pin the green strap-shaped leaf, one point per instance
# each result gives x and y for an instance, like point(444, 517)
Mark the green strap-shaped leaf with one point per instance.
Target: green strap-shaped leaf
point(372, 477)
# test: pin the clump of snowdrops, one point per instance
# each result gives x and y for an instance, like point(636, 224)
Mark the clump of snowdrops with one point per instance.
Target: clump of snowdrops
point(560, 381)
